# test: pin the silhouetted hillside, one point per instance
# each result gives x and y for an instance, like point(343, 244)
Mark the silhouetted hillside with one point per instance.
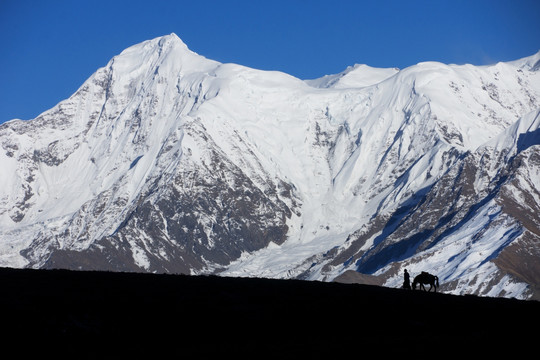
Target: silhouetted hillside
point(104, 315)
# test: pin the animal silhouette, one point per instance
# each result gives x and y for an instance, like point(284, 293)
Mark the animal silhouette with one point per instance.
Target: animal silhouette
point(426, 278)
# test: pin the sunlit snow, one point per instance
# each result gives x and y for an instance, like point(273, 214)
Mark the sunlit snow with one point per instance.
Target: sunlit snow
point(354, 145)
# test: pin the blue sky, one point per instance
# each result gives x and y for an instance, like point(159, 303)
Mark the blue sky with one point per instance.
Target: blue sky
point(50, 47)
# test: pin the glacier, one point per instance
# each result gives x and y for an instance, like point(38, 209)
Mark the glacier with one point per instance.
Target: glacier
point(166, 161)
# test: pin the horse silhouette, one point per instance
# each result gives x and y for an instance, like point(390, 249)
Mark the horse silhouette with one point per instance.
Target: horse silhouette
point(428, 279)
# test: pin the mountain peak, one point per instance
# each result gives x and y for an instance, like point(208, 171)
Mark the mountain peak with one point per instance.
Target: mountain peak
point(173, 40)
point(165, 161)
point(356, 76)
point(531, 62)
point(159, 44)
point(167, 53)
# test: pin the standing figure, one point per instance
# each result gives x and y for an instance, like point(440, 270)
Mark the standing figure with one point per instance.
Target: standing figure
point(406, 281)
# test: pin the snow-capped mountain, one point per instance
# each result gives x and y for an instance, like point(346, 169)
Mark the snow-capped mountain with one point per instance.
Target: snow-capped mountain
point(165, 161)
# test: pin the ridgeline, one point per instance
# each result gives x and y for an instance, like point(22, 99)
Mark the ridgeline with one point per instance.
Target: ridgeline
point(106, 315)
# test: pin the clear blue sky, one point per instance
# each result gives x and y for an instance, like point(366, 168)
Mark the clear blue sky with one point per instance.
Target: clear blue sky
point(50, 47)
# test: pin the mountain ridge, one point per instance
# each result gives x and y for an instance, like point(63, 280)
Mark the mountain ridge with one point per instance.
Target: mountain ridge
point(123, 314)
point(165, 161)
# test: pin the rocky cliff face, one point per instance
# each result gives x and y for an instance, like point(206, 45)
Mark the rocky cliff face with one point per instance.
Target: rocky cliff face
point(165, 161)
point(475, 221)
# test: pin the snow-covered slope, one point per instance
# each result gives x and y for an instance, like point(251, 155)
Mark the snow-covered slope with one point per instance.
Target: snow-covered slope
point(166, 161)
point(359, 75)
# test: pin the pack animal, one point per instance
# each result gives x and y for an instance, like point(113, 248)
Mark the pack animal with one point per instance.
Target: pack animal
point(427, 279)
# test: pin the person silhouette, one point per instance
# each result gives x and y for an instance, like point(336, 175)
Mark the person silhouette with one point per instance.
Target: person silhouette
point(406, 281)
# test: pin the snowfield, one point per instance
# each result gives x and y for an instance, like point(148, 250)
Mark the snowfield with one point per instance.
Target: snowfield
point(165, 161)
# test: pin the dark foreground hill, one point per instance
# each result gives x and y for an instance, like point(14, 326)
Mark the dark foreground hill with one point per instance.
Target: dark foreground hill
point(118, 315)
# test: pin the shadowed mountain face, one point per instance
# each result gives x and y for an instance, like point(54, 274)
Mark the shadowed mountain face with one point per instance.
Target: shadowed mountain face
point(165, 161)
